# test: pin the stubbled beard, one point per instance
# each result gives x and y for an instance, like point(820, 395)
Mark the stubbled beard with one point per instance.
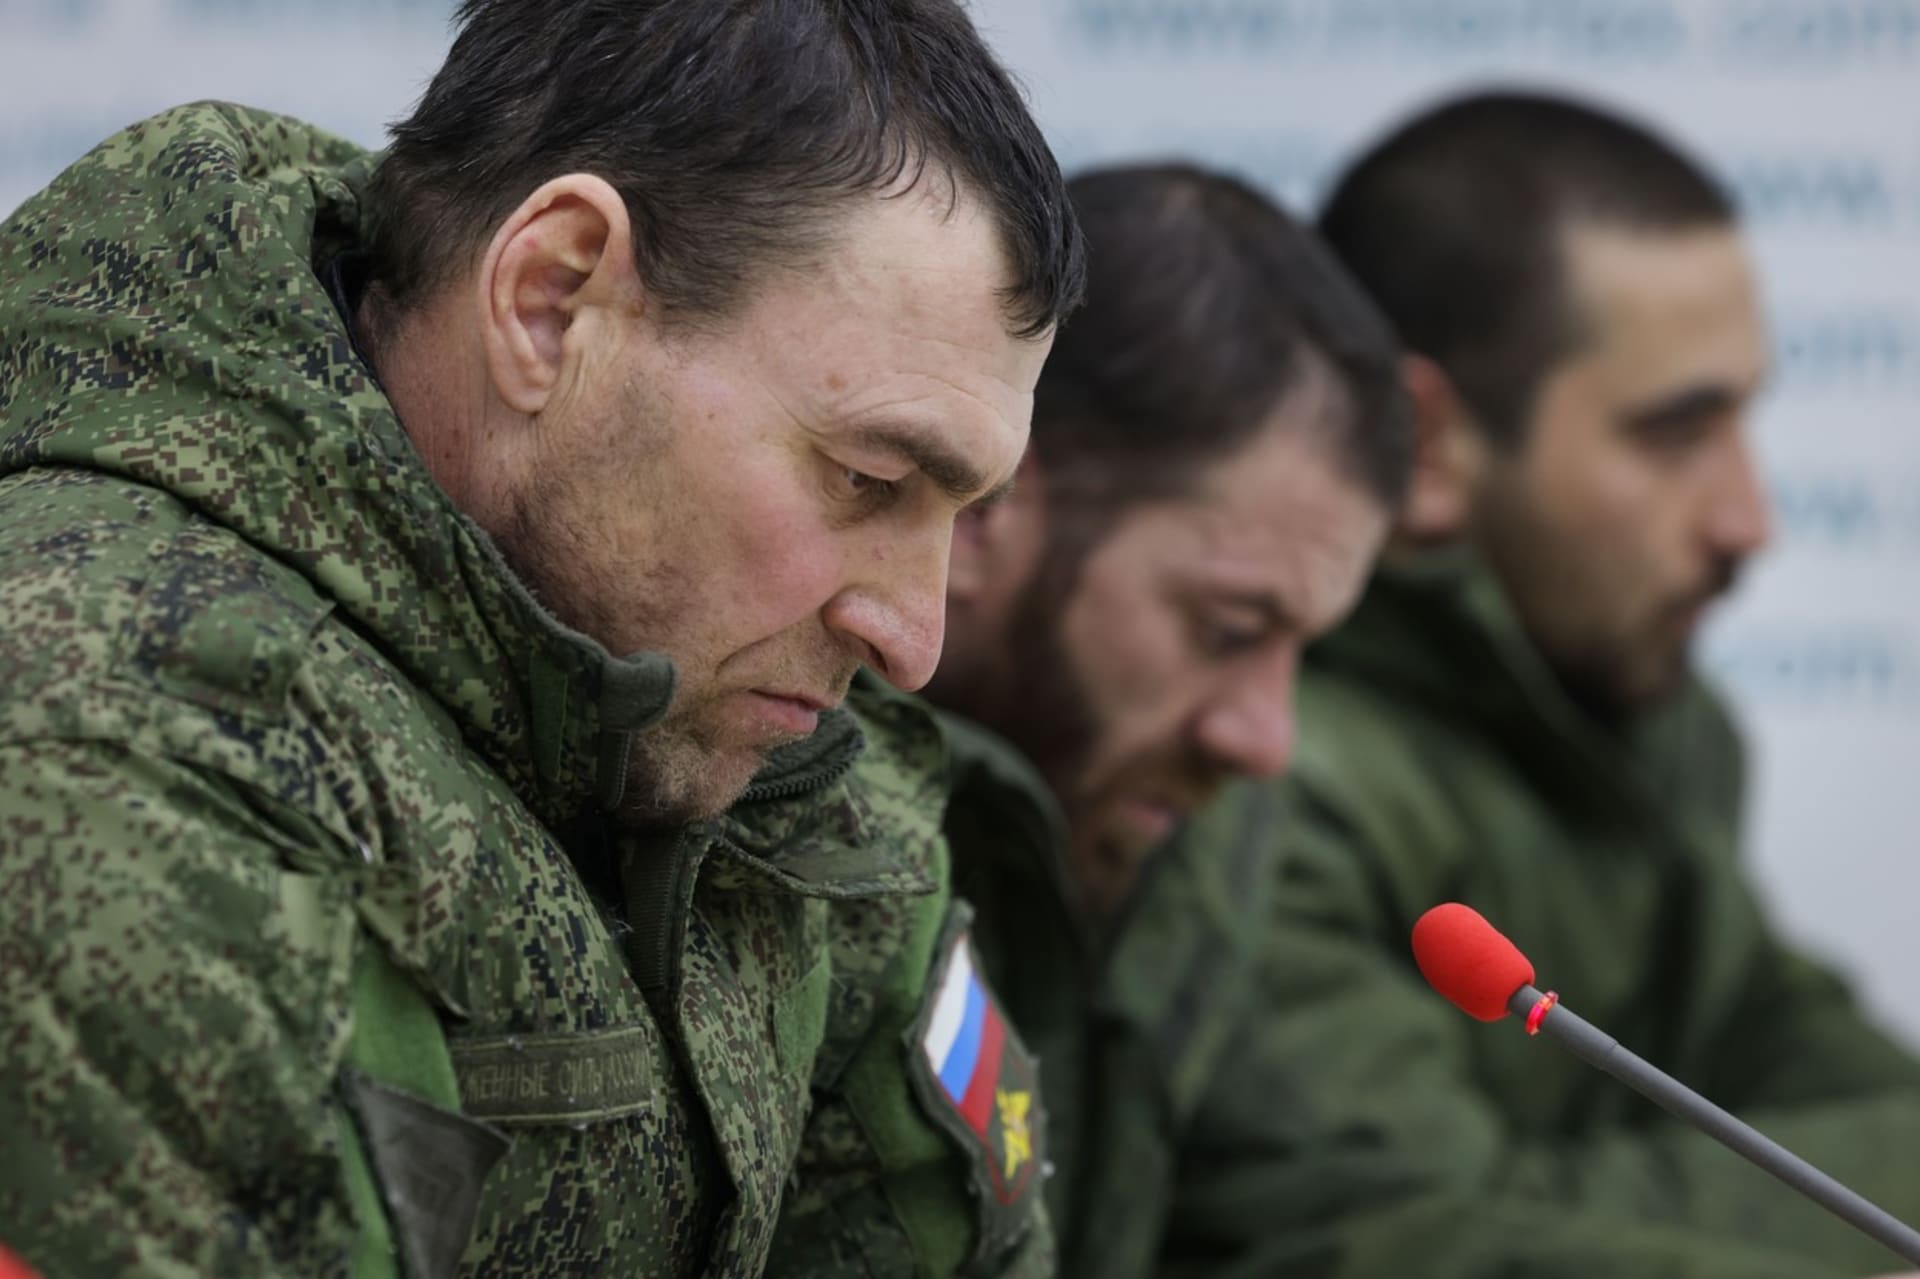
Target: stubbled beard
point(669, 764)
point(1600, 687)
point(680, 770)
point(1617, 683)
point(671, 781)
point(1043, 707)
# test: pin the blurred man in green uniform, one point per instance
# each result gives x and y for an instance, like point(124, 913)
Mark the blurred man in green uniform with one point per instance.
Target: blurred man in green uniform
point(1512, 719)
point(431, 841)
point(1219, 437)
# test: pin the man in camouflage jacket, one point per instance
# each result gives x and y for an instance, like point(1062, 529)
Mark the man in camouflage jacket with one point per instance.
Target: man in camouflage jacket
point(332, 944)
point(1217, 441)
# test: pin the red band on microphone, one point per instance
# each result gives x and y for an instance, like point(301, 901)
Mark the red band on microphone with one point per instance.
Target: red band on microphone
point(1540, 1010)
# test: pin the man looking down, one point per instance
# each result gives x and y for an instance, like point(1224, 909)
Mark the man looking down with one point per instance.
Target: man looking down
point(1219, 437)
point(431, 839)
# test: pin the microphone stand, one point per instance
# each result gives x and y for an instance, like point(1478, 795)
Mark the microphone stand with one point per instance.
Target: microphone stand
point(1597, 1048)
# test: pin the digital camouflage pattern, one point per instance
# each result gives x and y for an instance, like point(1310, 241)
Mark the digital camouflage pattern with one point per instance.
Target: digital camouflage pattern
point(287, 757)
point(1131, 1021)
point(1378, 1131)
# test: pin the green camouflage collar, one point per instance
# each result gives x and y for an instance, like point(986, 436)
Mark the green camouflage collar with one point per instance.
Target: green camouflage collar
point(161, 319)
point(985, 768)
point(1437, 628)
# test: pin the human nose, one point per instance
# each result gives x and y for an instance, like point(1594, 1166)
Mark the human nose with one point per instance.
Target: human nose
point(1249, 726)
point(894, 614)
point(1739, 522)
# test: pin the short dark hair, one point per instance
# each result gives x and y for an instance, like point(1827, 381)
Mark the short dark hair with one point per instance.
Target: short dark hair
point(733, 129)
point(1206, 306)
point(1455, 223)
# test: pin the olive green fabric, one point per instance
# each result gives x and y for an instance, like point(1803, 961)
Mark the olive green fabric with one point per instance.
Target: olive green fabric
point(397, 1040)
point(1130, 1018)
point(1371, 1129)
point(270, 704)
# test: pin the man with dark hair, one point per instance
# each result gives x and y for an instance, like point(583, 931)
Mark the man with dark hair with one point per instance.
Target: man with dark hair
point(431, 839)
point(1511, 719)
point(1219, 437)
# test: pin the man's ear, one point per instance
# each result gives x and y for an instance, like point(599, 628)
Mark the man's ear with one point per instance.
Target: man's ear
point(996, 546)
point(561, 263)
point(1450, 453)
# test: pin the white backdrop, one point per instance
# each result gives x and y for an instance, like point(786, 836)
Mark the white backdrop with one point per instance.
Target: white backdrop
point(1811, 108)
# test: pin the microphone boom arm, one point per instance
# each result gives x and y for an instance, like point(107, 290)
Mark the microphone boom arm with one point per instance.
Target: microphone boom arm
point(1597, 1048)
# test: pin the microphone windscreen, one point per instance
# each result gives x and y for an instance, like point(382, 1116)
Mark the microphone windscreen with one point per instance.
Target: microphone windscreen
point(1468, 960)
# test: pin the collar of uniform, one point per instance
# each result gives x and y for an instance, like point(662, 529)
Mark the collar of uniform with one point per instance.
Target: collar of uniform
point(1437, 628)
point(1205, 873)
point(1182, 942)
point(851, 811)
point(986, 773)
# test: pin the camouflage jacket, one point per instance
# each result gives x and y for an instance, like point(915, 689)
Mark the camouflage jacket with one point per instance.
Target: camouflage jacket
point(1385, 1133)
point(315, 959)
point(1129, 1018)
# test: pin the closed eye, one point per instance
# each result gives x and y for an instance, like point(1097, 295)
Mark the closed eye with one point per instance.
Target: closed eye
point(1225, 641)
point(862, 489)
point(1238, 622)
point(1219, 637)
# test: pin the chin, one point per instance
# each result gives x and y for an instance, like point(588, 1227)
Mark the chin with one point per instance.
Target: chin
point(1643, 694)
point(725, 780)
point(688, 786)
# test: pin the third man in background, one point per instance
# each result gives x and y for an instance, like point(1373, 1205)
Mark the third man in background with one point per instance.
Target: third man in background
point(1512, 719)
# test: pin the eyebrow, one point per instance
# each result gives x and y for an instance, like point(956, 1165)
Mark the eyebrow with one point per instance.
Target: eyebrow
point(1687, 405)
point(952, 474)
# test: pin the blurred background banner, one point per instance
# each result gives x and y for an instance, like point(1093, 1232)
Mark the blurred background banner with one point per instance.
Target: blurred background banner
point(1810, 109)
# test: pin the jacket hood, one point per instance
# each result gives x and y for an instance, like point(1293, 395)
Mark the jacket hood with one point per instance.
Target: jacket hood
point(161, 319)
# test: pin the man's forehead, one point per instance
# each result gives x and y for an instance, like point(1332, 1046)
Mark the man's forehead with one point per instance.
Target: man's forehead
point(1619, 275)
point(897, 343)
point(885, 246)
point(1281, 523)
point(1666, 306)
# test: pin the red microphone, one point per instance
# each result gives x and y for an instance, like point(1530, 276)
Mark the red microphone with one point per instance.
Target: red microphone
point(1484, 975)
point(1466, 959)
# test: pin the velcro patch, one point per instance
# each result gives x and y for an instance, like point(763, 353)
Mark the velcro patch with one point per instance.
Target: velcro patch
point(978, 1083)
point(556, 1078)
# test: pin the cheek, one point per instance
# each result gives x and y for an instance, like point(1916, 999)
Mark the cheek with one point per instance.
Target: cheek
point(1607, 517)
point(1649, 505)
point(1591, 490)
point(1127, 649)
point(777, 560)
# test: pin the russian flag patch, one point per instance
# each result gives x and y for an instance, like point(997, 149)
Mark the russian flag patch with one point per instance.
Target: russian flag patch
point(964, 1039)
point(976, 1079)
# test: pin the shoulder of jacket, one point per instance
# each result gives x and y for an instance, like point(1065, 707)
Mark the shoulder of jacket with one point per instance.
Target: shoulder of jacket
point(132, 620)
point(111, 583)
point(1372, 761)
point(171, 143)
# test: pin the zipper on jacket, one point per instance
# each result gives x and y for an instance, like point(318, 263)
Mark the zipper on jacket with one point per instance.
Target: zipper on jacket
point(656, 877)
point(808, 765)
